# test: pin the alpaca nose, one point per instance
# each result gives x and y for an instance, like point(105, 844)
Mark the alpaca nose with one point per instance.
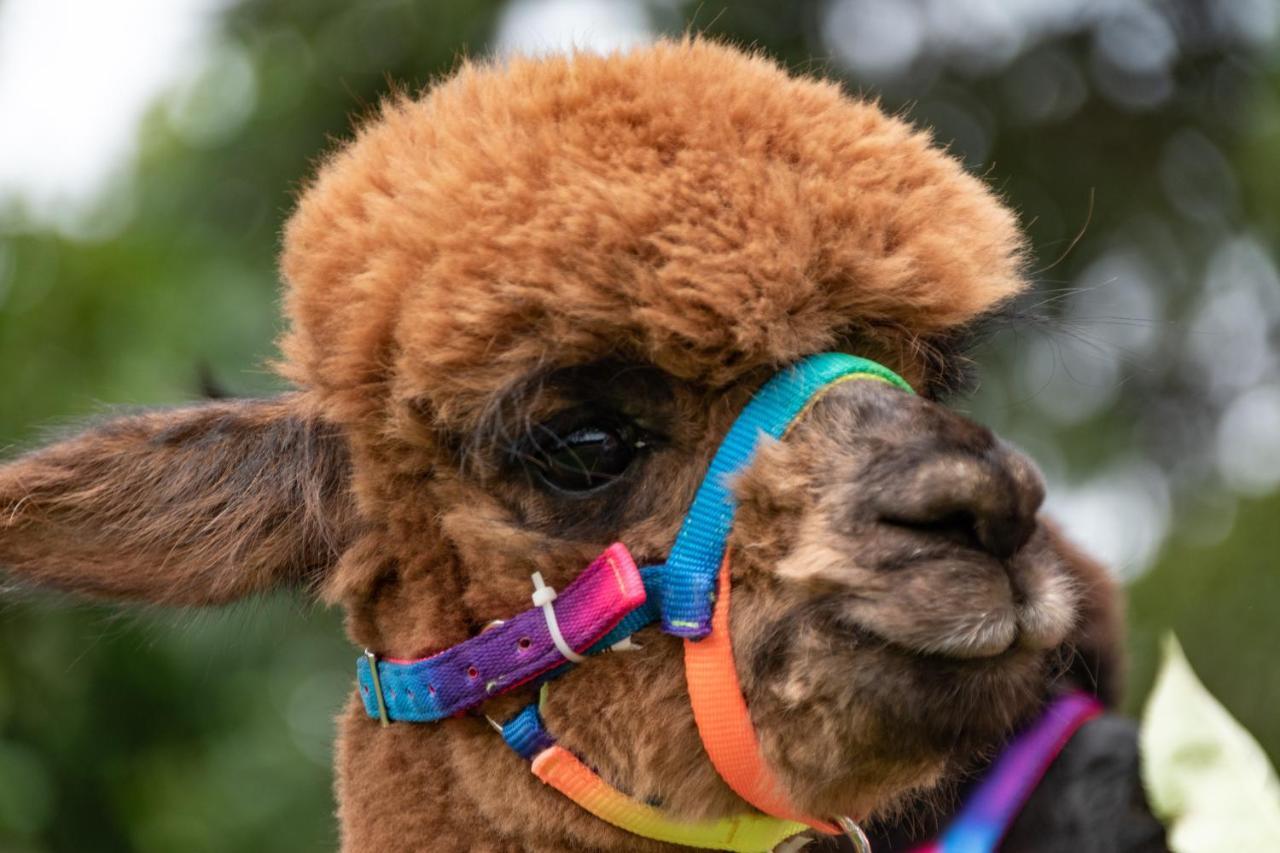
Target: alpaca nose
point(978, 493)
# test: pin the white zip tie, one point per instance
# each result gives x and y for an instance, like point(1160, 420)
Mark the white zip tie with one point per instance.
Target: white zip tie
point(543, 596)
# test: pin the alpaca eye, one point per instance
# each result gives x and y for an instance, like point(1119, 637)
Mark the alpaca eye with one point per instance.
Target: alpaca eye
point(583, 457)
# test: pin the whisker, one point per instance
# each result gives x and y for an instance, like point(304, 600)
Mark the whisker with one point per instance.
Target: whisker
point(1079, 236)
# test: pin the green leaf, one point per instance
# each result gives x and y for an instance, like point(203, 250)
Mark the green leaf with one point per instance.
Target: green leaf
point(1206, 777)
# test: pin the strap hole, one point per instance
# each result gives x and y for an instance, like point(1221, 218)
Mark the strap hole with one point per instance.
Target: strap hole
point(525, 643)
point(472, 672)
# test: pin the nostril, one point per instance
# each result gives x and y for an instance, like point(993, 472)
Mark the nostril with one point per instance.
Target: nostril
point(1003, 536)
point(958, 526)
point(971, 502)
point(999, 536)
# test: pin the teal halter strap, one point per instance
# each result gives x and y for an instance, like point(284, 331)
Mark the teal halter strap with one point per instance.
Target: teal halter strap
point(689, 575)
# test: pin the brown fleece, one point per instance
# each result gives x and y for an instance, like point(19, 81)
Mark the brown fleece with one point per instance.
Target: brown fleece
point(197, 505)
point(638, 239)
point(687, 205)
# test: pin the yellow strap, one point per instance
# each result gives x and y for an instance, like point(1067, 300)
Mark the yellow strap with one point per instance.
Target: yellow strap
point(560, 769)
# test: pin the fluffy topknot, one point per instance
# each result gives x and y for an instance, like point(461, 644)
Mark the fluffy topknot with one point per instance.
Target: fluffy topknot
point(686, 204)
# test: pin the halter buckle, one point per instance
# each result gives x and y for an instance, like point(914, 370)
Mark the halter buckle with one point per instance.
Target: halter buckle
point(372, 657)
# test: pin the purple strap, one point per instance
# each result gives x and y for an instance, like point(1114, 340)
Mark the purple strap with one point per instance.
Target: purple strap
point(990, 810)
point(507, 655)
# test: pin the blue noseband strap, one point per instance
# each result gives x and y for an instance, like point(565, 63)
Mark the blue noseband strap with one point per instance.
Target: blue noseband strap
point(690, 571)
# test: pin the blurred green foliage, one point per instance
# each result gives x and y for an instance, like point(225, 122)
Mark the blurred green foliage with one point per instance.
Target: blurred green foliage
point(210, 731)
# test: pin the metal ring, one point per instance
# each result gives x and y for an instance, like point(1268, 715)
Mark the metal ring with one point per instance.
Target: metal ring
point(854, 833)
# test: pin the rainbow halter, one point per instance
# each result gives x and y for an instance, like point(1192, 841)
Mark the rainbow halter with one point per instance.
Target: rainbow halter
point(609, 601)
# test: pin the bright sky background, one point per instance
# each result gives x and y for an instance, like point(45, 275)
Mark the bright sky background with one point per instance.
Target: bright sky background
point(76, 77)
point(541, 26)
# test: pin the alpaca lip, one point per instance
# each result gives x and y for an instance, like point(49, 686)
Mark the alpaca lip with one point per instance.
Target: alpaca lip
point(979, 643)
point(1034, 625)
point(940, 601)
point(984, 649)
point(971, 615)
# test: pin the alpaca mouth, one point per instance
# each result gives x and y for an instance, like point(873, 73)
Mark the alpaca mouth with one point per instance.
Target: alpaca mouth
point(985, 634)
point(980, 640)
point(947, 607)
point(975, 631)
point(935, 600)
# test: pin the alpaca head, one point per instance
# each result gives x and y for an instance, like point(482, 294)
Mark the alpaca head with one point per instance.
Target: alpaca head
point(524, 310)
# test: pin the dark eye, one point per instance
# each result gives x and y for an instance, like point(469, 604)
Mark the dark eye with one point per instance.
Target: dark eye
point(583, 454)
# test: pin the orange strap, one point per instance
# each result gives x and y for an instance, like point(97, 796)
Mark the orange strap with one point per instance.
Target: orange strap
point(724, 722)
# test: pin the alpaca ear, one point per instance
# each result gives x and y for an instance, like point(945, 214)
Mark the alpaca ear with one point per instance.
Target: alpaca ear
point(1096, 660)
point(198, 505)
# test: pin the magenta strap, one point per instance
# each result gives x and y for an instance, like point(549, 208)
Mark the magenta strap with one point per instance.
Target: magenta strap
point(508, 654)
point(990, 810)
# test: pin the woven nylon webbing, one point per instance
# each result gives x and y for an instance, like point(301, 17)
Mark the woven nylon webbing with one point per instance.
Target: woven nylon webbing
point(645, 614)
point(699, 548)
point(748, 833)
point(991, 809)
point(511, 654)
point(561, 769)
point(525, 733)
point(724, 723)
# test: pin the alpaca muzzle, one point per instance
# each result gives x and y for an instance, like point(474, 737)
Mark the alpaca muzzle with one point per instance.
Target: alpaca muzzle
point(610, 600)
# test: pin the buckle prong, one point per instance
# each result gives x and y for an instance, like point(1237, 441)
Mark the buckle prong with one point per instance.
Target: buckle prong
point(377, 686)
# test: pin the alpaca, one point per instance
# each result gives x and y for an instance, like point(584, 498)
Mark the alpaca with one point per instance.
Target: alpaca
point(523, 311)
